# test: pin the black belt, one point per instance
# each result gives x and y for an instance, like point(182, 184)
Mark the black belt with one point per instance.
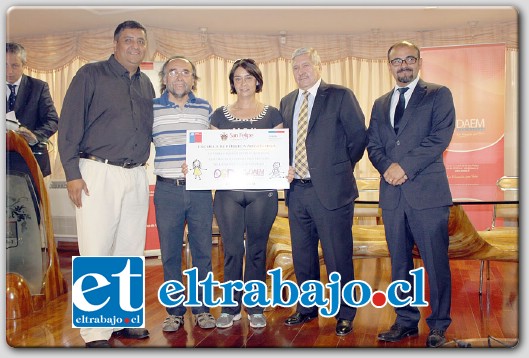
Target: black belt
point(177, 182)
point(125, 165)
point(301, 181)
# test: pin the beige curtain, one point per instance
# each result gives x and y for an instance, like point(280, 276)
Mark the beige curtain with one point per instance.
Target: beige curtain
point(53, 52)
point(355, 62)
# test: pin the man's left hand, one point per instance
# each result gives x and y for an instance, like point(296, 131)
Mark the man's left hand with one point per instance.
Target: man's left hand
point(28, 135)
point(395, 175)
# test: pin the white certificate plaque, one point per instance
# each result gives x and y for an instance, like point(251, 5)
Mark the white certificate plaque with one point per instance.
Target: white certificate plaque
point(237, 159)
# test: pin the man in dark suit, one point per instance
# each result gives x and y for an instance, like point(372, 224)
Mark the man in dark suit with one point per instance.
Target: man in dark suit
point(31, 100)
point(321, 197)
point(406, 146)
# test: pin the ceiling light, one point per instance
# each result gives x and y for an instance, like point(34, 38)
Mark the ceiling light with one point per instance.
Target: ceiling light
point(282, 37)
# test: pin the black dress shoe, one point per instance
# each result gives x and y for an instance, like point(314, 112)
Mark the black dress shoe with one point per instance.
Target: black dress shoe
point(436, 338)
point(398, 332)
point(133, 333)
point(344, 327)
point(298, 318)
point(98, 344)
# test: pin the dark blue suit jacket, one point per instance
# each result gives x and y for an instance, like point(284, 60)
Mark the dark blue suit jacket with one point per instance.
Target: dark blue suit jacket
point(425, 131)
point(336, 141)
point(35, 110)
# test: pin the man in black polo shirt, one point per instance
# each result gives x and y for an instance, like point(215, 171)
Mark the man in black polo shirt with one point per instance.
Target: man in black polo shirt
point(104, 142)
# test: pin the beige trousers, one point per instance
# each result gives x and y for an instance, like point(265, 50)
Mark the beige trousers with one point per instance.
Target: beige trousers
point(113, 218)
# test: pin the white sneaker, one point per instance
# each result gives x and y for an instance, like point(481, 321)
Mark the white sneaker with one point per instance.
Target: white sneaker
point(226, 320)
point(257, 320)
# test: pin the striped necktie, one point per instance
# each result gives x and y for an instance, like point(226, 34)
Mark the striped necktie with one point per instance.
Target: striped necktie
point(12, 98)
point(301, 165)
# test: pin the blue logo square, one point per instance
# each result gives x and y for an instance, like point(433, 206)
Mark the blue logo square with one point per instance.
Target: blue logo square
point(108, 291)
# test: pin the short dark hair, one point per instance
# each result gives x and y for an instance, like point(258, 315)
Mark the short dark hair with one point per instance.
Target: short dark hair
point(162, 72)
point(129, 24)
point(404, 44)
point(17, 49)
point(249, 65)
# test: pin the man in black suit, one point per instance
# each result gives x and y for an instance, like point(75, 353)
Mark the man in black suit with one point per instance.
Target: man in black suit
point(31, 100)
point(321, 195)
point(406, 146)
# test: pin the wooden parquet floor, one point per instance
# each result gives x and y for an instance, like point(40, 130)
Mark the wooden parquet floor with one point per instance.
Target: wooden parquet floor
point(492, 319)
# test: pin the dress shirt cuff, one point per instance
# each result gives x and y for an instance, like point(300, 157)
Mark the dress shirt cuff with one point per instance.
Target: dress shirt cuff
point(72, 172)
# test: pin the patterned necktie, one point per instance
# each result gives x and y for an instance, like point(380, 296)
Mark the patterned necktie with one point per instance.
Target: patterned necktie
point(399, 110)
point(301, 164)
point(12, 98)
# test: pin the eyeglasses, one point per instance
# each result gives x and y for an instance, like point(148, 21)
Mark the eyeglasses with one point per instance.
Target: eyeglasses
point(410, 60)
point(183, 73)
point(240, 79)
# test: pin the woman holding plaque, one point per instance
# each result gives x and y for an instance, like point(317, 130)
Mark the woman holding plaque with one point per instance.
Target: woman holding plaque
point(245, 211)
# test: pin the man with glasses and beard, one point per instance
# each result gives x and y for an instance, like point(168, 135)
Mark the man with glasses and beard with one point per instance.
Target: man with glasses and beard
point(176, 111)
point(410, 128)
